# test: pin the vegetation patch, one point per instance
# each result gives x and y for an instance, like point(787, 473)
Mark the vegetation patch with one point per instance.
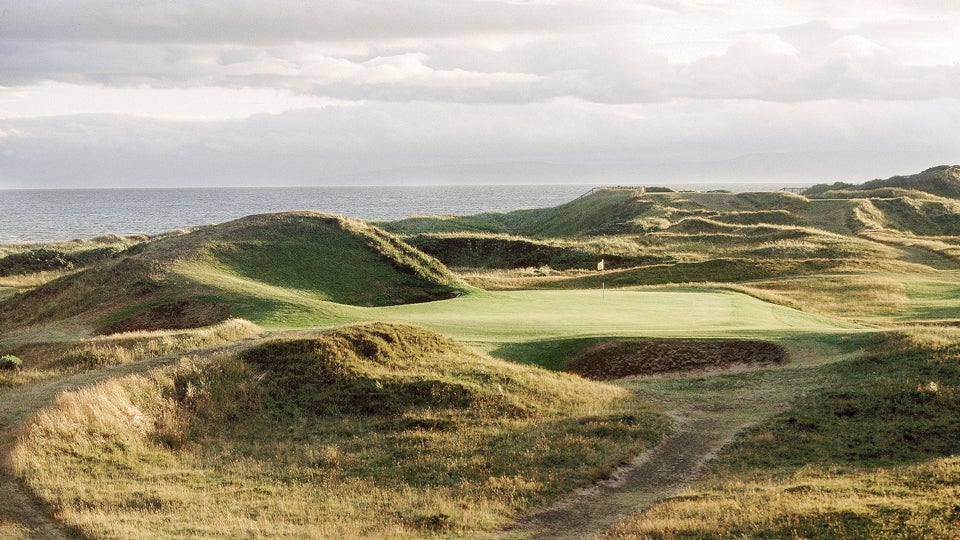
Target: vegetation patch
point(9, 362)
point(35, 260)
point(872, 453)
point(625, 358)
point(296, 438)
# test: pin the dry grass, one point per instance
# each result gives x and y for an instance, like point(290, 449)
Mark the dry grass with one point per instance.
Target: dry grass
point(28, 281)
point(872, 453)
point(914, 501)
point(854, 296)
point(211, 450)
point(946, 246)
point(140, 345)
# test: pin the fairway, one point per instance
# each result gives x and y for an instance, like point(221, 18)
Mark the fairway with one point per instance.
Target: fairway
point(520, 316)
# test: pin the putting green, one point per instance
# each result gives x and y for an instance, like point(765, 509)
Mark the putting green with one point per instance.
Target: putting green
point(520, 316)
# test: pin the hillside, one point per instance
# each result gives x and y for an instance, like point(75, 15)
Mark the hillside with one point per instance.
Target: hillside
point(942, 181)
point(243, 267)
point(680, 237)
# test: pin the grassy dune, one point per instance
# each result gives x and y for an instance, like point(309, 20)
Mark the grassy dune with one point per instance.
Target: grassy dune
point(291, 255)
point(389, 430)
point(377, 430)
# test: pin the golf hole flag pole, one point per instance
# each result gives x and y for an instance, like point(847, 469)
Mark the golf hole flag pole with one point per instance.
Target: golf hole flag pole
point(603, 287)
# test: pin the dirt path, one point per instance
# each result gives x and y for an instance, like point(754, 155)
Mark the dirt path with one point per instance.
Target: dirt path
point(671, 465)
point(709, 410)
point(21, 515)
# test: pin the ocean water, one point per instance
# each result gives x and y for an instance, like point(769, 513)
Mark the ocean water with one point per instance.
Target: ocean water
point(64, 214)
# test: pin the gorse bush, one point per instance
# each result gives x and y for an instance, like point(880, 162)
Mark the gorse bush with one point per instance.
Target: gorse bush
point(10, 362)
point(36, 260)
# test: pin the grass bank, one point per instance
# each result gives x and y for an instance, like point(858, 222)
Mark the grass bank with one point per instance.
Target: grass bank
point(369, 431)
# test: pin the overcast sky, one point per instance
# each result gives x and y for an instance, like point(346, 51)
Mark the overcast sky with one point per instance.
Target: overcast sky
point(102, 93)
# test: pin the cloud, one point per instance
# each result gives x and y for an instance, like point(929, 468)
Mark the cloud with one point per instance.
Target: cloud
point(159, 91)
point(292, 21)
point(428, 142)
point(618, 65)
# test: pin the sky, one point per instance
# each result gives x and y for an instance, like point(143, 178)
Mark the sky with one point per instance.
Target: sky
point(155, 93)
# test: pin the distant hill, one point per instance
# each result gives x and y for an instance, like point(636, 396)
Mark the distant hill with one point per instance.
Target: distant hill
point(943, 181)
point(244, 267)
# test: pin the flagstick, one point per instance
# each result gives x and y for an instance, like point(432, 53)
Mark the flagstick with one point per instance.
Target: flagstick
point(603, 283)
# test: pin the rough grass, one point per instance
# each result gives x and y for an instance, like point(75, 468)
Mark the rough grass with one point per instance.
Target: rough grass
point(371, 431)
point(140, 345)
point(854, 296)
point(871, 453)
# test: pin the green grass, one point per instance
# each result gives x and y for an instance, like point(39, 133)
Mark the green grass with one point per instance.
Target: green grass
point(933, 297)
point(519, 316)
point(256, 264)
point(493, 319)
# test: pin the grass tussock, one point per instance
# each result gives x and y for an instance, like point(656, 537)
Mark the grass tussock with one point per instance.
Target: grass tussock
point(376, 430)
point(870, 454)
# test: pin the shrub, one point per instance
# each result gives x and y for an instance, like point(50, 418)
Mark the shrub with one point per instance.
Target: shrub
point(10, 362)
point(36, 260)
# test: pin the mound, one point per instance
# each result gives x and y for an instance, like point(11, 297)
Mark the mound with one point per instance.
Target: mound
point(370, 431)
point(185, 280)
point(333, 258)
point(382, 369)
point(625, 358)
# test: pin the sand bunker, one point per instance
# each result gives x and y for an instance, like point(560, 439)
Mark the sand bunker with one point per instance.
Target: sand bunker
point(174, 316)
point(629, 357)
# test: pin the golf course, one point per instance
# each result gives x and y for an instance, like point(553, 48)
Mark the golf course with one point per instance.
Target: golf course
point(752, 365)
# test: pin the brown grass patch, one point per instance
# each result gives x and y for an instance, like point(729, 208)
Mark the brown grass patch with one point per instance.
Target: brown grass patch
point(628, 357)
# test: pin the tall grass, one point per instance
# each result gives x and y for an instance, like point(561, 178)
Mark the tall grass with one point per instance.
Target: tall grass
point(411, 436)
point(870, 454)
point(135, 346)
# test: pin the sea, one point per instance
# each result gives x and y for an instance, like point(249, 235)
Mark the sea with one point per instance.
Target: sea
point(53, 215)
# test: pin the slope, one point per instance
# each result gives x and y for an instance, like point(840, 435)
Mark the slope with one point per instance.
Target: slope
point(199, 277)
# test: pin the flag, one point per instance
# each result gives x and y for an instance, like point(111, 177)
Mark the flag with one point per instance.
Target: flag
point(600, 266)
